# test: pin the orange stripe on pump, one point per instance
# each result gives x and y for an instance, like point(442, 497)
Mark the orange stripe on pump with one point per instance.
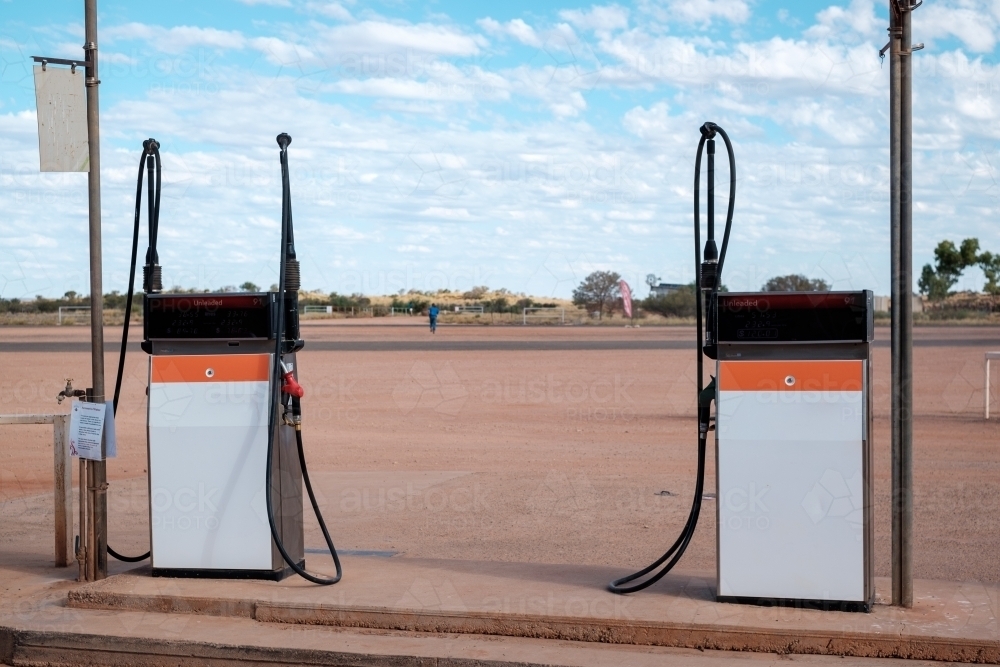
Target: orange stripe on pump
point(790, 375)
point(211, 368)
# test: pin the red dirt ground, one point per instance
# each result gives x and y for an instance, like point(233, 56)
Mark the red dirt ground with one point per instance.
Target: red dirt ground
point(540, 456)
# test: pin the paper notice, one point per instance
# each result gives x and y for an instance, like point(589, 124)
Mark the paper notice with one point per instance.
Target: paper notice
point(86, 425)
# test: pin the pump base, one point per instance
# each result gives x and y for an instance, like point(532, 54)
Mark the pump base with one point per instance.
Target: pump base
point(792, 603)
point(183, 573)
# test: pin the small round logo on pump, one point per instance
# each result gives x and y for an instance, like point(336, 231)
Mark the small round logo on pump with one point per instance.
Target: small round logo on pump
point(789, 380)
point(210, 372)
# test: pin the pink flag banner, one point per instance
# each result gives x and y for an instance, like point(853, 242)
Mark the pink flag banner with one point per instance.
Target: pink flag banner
point(626, 298)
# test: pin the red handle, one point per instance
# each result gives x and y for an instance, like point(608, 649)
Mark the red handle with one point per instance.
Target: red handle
point(292, 387)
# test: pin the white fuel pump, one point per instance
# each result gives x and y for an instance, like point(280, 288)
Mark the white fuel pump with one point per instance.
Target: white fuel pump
point(226, 461)
point(793, 434)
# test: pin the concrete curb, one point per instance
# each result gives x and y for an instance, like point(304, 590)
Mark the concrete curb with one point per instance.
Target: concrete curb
point(28, 648)
point(610, 631)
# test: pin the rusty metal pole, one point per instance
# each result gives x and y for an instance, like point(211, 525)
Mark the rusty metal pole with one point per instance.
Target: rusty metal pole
point(98, 469)
point(900, 214)
point(905, 598)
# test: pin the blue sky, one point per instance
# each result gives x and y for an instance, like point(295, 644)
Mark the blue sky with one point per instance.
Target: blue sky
point(519, 145)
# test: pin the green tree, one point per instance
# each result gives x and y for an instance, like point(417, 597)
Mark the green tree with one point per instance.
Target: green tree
point(795, 282)
point(949, 263)
point(598, 292)
point(476, 293)
point(676, 304)
point(499, 305)
point(249, 287)
point(990, 264)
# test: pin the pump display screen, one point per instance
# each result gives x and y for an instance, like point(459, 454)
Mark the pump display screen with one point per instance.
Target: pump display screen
point(775, 317)
point(206, 316)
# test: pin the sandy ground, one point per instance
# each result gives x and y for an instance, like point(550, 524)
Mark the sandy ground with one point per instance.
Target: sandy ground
point(531, 456)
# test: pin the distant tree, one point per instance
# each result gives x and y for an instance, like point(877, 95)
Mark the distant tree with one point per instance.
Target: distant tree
point(949, 263)
point(476, 293)
point(795, 282)
point(990, 264)
point(598, 292)
point(680, 303)
point(249, 287)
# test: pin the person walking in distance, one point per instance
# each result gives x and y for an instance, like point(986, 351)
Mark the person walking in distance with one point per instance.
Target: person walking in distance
point(433, 312)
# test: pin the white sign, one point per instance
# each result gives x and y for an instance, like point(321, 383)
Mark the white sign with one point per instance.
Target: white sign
point(86, 426)
point(61, 102)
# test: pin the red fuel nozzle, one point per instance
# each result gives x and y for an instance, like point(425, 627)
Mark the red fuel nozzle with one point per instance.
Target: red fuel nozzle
point(291, 385)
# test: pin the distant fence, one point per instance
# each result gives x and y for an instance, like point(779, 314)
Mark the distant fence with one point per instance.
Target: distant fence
point(352, 311)
point(69, 309)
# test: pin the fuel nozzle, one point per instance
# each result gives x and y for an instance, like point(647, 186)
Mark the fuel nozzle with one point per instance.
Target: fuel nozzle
point(291, 389)
point(152, 272)
point(290, 385)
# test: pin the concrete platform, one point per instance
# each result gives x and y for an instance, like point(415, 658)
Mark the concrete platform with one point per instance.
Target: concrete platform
point(950, 621)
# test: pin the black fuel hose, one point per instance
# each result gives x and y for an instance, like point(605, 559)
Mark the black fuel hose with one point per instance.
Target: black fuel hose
point(705, 394)
point(150, 159)
point(276, 381)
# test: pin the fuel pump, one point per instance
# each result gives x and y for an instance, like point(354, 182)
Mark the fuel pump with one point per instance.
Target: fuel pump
point(792, 424)
point(224, 421)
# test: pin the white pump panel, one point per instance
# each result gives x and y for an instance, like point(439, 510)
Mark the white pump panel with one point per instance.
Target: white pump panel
point(208, 421)
point(791, 438)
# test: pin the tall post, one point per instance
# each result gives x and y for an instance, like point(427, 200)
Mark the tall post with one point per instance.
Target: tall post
point(902, 300)
point(906, 310)
point(98, 472)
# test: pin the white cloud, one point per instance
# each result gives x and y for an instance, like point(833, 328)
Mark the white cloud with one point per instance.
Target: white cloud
point(701, 12)
point(605, 19)
point(974, 23)
point(177, 39)
point(333, 10)
point(837, 23)
point(381, 36)
point(515, 28)
point(279, 52)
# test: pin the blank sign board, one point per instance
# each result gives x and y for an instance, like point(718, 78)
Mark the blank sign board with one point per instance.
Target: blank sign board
point(62, 119)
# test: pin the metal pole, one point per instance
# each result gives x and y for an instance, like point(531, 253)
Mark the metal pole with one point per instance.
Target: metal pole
point(82, 540)
point(98, 476)
point(905, 598)
point(894, 300)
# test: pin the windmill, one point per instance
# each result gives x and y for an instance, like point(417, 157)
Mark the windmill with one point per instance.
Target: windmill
point(651, 280)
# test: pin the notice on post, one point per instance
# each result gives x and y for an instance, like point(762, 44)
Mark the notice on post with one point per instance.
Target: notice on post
point(86, 426)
